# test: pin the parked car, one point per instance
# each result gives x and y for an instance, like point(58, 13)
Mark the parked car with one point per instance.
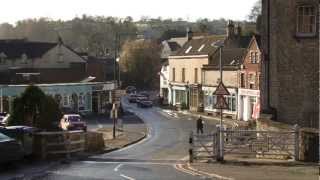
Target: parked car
point(144, 93)
point(22, 134)
point(11, 150)
point(145, 103)
point(72, 122)
point(131, 89)
point(4, 118)
point(132, 98)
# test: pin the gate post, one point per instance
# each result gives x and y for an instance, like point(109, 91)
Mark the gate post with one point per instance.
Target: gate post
point(296, 143)
point(191, 147)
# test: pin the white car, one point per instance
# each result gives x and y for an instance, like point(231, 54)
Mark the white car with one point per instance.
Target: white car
point(72, 122)
point(4, 118)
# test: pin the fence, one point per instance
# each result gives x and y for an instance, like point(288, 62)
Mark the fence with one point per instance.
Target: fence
point(269, 144)
point(53, 143)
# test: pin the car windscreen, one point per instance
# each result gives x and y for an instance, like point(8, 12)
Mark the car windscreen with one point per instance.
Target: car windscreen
point(4, 137)
point(74, 118)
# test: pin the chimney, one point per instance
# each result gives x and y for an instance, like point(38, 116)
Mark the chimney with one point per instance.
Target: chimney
point(238, 30)
point(230, 29)
point(189, 34)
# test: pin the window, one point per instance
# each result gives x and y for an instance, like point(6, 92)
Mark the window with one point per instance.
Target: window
point(188, 50)
point(183, 75)
point(24, 59)
point(231, 101)
point(254, 57)
point(195, 75)
point(2, 58)
point(173, 74)
point(251, 86)
point(180, 96)
point(65, 100)
point(306, 20)
point(201, 47)
point(242, 83)
point(81, 99)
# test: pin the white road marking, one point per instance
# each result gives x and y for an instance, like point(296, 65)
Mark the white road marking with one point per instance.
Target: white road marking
point(124, 163)
point(126, 177)
point(209, 174)
point(116, 169)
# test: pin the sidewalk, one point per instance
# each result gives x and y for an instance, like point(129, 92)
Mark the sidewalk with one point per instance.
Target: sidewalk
point(239, 171)
point(130, 135)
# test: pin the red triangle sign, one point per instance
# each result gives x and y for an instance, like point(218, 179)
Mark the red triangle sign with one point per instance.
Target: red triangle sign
point(221, 90)
point(221, 103)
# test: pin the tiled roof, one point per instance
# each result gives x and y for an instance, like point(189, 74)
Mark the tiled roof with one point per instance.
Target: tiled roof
point(231, 57)
point(15, 48)
point(201, 46)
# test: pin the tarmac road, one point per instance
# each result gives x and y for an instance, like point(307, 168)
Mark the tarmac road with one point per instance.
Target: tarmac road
point(154, 157)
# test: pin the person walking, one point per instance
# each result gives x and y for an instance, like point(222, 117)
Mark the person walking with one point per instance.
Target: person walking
point(200, 124)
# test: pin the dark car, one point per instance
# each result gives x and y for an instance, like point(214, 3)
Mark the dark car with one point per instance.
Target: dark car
point(145, 104)
point(132, 98)
point(144, 93)
point(4, 118)
point(131, 89)
point(11, 150)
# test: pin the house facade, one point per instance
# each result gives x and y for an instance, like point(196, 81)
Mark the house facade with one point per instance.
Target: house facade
point(249, 82)
point(290, 42)
point(56, 69)
point(185, 71)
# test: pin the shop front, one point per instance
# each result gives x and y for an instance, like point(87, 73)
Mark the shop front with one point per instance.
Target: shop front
point(248, 104)
point(78, 97)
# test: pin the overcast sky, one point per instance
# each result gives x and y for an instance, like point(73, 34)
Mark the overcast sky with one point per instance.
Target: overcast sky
point(13, 10)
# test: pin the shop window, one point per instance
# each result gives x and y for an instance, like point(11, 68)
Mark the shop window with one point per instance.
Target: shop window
point(306, 20)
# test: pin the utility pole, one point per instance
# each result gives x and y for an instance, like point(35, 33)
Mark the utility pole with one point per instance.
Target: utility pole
point(221, 110)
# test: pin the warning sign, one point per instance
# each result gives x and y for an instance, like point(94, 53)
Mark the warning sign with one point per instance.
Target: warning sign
point(221, 90)
point(221, 103)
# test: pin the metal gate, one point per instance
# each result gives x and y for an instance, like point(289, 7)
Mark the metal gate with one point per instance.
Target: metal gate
point(203, 146)
point(270, 144)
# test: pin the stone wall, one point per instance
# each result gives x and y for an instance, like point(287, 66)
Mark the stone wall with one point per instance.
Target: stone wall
point(294, 65)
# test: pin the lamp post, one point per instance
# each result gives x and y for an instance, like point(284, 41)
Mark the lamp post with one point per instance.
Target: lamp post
point(116, 51)
point(220, 45)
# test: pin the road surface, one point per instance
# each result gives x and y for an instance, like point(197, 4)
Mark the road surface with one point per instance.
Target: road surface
point(155, 157)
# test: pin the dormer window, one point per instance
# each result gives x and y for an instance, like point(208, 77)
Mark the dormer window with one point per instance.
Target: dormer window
point(201, 47)
point(24, 58)
point(3, 57)
point(188, 50)
point(306, 20)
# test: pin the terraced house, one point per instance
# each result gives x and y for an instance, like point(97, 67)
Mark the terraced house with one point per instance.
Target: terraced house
point(194, 70)
point(185, 71)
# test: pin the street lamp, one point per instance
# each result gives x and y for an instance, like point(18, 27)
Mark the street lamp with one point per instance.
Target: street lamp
point(116, 51)
point(220, 45)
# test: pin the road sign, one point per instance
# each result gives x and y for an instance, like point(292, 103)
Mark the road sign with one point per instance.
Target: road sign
point(221, 90)
point(221, 103)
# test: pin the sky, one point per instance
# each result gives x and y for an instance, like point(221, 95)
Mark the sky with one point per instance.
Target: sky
point(14, 10)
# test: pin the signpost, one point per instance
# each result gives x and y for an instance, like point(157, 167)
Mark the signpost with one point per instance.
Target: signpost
point(221, 104)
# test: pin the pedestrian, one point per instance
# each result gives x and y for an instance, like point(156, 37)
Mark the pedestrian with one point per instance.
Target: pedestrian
point(200, 124)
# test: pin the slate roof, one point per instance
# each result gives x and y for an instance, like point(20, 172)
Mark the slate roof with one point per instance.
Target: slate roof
point(231, 57)
point(14, 48)
point(201, 46)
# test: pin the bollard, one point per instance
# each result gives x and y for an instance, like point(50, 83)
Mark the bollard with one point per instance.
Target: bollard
point(190, 155)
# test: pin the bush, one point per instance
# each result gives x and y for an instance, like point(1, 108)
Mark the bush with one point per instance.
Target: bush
point(34, 108)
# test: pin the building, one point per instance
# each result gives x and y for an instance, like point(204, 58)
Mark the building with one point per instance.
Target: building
point(185, 71)
point(290, 42)
point(231, 58)
point(249, 81)
point(56, 69)
point(169, 47)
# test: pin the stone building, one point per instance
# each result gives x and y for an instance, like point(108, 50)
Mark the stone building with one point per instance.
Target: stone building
point(290, 41)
